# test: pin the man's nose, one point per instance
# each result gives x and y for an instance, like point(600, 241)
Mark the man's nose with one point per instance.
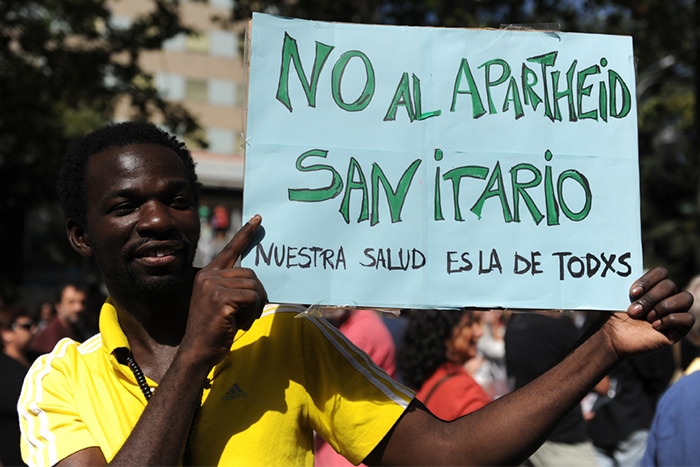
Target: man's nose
point(155, 216)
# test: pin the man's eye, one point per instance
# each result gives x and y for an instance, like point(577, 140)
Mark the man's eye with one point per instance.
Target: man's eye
point(182, 202)
point(122, 209)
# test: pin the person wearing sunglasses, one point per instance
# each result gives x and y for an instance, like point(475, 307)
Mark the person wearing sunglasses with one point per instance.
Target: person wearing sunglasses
point(17, 329)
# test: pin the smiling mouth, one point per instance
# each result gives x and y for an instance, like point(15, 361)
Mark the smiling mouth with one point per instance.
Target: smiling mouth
point(160, 253)
point(157, 253)
point(161, 257)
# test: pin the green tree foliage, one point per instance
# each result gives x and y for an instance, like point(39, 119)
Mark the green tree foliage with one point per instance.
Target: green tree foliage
point(664, 35)
point(64, 64)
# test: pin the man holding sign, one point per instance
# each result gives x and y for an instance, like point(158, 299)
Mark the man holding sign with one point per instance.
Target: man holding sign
point(192, 367)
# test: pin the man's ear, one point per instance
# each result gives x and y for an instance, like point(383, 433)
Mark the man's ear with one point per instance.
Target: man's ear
point(78, 238)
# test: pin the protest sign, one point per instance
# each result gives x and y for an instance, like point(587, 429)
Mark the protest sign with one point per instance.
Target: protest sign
point(432, 167)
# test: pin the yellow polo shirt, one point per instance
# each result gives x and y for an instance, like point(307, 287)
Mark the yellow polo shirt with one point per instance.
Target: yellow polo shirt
point(284, 378)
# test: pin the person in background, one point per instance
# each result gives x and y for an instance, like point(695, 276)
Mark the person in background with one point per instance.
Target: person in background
point(45, 312)
point(205, 251)
point(16, 328)
point(488, 368)
point(620, 428)
point(396, 322)
point(673, 436)
point(431, 358)
point(535, 342)
point(365, 329)
point(690, 345)
point(66, 323)
point(220, 225)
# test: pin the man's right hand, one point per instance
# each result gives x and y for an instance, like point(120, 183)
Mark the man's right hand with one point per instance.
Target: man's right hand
point(225, 298)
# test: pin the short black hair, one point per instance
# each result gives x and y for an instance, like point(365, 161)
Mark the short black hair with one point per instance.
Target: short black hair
point(71, 183)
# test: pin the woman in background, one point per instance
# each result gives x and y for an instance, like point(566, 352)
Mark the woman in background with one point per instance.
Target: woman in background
point(431, 358)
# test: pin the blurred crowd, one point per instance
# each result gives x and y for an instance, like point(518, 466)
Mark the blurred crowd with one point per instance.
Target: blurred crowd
point(27, 334)
point(458, 361)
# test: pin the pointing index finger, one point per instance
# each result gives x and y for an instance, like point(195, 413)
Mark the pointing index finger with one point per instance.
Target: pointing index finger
point(230, 253)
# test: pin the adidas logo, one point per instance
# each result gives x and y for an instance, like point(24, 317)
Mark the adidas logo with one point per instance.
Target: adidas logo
point(234, 392)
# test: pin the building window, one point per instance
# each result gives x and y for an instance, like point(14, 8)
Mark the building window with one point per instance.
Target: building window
point(224, 44)
point(196, 90)
point(222, 92)
point(171, 86)
point(175, 43)
point(228, 4)
point(197, 43)
point(241, 93)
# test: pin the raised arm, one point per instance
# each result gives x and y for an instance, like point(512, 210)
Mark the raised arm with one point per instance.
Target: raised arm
point(508, 430)
point(224, 299)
